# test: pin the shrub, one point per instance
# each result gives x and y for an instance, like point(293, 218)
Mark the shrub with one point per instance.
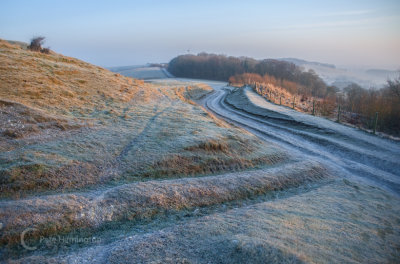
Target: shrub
point(45, 50)
point(36, 45)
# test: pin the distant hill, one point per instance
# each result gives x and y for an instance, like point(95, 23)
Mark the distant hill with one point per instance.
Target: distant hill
point(341, 77)
point(382, 73)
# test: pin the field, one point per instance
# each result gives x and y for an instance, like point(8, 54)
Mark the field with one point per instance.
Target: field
point(141, 72)
point(127, 171)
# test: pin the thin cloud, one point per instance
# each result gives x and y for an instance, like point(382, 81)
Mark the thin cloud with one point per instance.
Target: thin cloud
point(346, 13)
point(363, 22)
point(333, 24)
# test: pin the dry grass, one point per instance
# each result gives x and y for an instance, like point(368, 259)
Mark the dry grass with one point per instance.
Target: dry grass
point(19, 121)
point(29, 179)
point(332, 224)
point(71, 125)
point(341, 222)
point(281, 96)
point(61, 213)
point(210, 146)
point(59, 84)
point(214, 156)
point(278, 95)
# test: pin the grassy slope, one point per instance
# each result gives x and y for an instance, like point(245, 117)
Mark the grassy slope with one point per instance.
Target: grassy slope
point(142, 73)
point(144, 200)
point(70, 124)
point(338, 222)
point(332, 224)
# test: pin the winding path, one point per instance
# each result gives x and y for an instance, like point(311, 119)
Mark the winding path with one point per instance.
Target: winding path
point(348, 151)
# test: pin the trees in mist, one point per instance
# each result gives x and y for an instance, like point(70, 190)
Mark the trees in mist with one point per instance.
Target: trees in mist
point(360, 102)
point(205, 66)
point(220, 67)
point(366, 102)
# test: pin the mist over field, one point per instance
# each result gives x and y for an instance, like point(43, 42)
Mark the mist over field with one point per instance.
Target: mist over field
point(199, 132)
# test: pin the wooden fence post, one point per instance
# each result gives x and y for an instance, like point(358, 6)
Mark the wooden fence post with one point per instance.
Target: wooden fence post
point(280, 100)
point(338, 114)
point(313, 108)
point(294, 101)
point(375, 121)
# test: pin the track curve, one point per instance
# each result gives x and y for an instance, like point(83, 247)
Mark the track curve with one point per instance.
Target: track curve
point(348, 151)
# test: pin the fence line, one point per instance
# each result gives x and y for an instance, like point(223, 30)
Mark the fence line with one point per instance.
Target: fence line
point(323, 109)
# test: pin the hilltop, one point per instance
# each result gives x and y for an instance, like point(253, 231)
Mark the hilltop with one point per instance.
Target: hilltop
point(70, 124)
point(72, 129)
point(144, 172)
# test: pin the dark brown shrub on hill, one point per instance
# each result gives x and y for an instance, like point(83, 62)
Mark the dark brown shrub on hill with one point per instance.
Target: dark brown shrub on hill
point(36, 45)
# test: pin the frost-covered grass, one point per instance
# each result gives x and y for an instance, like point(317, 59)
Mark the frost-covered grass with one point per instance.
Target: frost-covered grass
point(90, 153)
point(340, 222)
point(72, 125)
point(136, 201)
point(161, 139)
point(142, 72)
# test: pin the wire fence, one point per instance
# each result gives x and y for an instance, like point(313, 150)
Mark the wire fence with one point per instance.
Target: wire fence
point(320, 107)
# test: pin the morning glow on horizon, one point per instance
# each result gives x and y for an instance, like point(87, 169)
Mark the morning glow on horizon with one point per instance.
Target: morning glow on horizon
point(115, 33)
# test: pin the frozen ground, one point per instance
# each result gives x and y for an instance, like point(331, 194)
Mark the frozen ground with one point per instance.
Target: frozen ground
point(330, 223)
point(186, 186)
point(335, 201)
point(353, 153)
point(143, 73)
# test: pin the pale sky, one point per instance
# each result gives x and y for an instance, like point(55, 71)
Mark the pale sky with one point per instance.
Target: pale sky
point(116, 33)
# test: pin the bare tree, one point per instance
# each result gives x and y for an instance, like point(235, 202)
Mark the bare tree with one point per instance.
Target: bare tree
point(394, 86)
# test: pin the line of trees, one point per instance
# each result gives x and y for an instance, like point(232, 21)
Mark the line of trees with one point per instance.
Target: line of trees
point(366, 102)
point(221, 67)
point(290, 86)
point(359, 103)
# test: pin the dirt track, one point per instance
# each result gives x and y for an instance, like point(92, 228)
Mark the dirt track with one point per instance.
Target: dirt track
point(313, 205)
point(350, 152)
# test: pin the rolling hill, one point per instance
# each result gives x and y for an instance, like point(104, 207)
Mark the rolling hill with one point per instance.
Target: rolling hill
point(96, 167)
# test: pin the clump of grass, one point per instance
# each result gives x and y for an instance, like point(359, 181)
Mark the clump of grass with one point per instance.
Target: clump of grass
point(210, 146)
point(192, 92)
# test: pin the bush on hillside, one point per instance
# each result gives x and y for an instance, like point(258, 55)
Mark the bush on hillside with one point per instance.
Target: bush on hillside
point(36, 45)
